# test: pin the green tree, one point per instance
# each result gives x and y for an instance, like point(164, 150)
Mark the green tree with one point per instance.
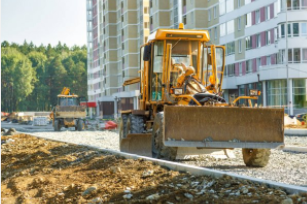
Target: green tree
point(39, 94)
point(17, 77)
point(57, 77)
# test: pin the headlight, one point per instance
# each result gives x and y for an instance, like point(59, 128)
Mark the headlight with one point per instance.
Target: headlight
point(254, 92)
point(178, 91)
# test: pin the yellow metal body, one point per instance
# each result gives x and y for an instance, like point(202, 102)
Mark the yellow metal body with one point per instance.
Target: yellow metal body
point(67, 114)
point(183, 59)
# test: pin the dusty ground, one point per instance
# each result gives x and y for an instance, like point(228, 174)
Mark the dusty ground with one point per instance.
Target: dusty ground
point(40, 171)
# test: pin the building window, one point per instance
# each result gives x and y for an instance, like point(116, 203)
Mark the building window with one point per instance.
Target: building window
point(230, 27)
point(215, 33)
point(240, 68)
point(210, 33)
point(299, 93)
point(184, 20)
point(249, 66)
point(209, 15)
point(239, 23)
point(289, 30)
point(276, 8)
point(258, 63)
point(257, 16)
point(289, 55)
point(267, 13)
point(248, 42)
point(231, 70)
point(225, 6)
point(281, 56)
point(248, 18)
point(230, 48)
point(295, 28)
point(297, 55)
point(282, 30)
point(268, 60)
point(222, 7)
point(258, 40)
point(267, 39)
point(146, 25)
point(214, 12)
point(240, 46)
point(145, 10)
point(304, 29)
point(277, 93)
point(304, 55)
point(239, 3)
point(222, 29)
point(229, 5)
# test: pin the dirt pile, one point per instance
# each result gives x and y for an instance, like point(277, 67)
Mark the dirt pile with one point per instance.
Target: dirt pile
point(40, 171)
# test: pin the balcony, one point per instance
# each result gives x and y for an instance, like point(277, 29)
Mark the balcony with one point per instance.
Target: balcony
point(89, 17)
point(89, 7)
point(279, 71)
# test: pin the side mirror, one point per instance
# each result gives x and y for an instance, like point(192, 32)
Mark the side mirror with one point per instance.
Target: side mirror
point(147, 52)
point(209, 58)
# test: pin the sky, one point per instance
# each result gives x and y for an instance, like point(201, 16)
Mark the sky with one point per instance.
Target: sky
point(44, 21)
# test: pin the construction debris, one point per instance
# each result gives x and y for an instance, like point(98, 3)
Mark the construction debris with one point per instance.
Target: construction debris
point(41, 171)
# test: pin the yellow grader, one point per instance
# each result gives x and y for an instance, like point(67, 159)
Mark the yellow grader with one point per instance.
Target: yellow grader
point(181, 104)
point(68, 112)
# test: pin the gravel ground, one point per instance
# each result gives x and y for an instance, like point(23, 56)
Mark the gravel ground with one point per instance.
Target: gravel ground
point(39, 171)
point(285, 167)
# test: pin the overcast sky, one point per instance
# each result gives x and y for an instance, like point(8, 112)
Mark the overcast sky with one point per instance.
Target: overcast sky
point(44, 21)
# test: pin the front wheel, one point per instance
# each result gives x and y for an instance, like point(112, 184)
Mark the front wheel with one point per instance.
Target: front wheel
point(158, 149)
point(80, 125)
point(56, 125)
point(256, 157)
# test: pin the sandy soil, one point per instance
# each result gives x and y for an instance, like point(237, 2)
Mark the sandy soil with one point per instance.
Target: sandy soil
point(39, 171)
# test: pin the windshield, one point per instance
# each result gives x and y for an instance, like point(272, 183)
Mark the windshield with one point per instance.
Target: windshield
point(207, 68)
point(183, 52)
point(67, 101)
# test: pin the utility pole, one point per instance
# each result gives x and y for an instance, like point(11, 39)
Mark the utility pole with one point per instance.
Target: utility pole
point(287, 61)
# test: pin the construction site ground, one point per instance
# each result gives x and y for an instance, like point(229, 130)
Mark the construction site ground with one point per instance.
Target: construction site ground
point(35, 170)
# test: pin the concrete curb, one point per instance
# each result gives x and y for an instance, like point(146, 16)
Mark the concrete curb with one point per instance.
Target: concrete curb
point(291, 189)
point(295, 149)
point(295, 132)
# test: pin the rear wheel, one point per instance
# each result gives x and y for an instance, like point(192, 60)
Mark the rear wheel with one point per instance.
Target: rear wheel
point(135, 124)
point(256, 157)
point(158, 149)
point(123, 129)
point(80, 125)
point(56, 125)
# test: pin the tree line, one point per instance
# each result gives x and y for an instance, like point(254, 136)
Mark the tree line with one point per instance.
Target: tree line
point(32, 76)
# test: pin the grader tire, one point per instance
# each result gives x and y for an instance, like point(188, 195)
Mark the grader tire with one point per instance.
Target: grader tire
point(158, 149)
point(56, 125)
point(256, 157)
point(80, 125)
point(136, 124)
point(123, 131)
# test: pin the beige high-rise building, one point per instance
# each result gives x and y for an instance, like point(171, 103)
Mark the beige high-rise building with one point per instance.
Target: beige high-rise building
point(116, 30)
point(259, 54)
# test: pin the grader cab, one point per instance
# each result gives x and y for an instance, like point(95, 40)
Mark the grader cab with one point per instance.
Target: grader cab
point(68, 113)
point(181, 104)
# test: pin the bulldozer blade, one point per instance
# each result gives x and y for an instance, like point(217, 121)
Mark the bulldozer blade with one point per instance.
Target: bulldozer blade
point(223, 127)
point(137, 144)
